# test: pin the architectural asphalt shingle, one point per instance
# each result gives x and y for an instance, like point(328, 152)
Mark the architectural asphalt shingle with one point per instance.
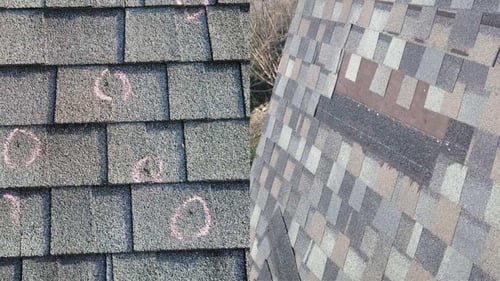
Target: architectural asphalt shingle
point(391, 172)
point(123, 130)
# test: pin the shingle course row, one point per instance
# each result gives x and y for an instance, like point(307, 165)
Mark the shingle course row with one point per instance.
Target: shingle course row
point(16, 4)
point(89, 94)
point(134, 153)
point(114, 36)
point(86, 220)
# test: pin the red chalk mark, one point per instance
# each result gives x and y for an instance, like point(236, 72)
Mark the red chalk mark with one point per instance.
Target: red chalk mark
point(34, 154)
point(15, 207)
point(204, 230)
point(126, 90)
point(139, 167)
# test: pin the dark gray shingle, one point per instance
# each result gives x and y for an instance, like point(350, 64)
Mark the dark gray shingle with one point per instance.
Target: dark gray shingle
point(145, 153)
point(84, 37)
point(117, 94)
point(217, 150)
point(166, 34)
point(90, 220)
point(229, 33)
point(190, 216)
point(214, 91)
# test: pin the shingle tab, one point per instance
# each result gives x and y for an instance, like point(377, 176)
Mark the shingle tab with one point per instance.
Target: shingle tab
point(166, 34)
point(100, 94)
point(89, 268)
point(192, 216)
point(41, 156)
point(217, 150)
point(196, 266)
point(90, 220)
point(145, 153)
point(84, 37)
point(26, 95)
point(26, 49)
point(229, 32)
point(214, 91)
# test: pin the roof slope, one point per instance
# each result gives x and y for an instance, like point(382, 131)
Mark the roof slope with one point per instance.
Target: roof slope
point(123, 129)
point(380, 156)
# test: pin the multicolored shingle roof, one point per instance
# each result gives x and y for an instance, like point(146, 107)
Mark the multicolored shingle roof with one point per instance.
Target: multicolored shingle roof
point(380, 158)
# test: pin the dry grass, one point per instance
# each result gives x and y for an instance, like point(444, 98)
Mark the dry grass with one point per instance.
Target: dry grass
point(270, 20)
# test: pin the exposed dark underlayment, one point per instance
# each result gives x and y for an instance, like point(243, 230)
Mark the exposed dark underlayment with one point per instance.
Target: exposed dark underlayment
point(405, 148)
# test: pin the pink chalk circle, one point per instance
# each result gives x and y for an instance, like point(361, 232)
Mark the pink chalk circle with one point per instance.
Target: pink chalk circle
point(204, 230)
point(15, 207)
point(195, 16)
point(37, 148)
point(137, 170)
point(126, 90)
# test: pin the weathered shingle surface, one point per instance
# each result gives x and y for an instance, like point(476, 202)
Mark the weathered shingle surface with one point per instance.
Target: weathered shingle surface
point(379, 158)
point(123, 140)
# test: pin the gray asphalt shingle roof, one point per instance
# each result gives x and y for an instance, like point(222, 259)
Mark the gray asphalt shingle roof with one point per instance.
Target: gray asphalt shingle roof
point(123, 140)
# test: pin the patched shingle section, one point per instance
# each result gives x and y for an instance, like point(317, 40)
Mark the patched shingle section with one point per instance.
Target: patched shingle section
point(89, 268)
point(229, 32)
point(28, 48)
point(166, 34)
point(26, 95)
point(190, 216)
point(90, 220)
point(217, 150)
point(187, 265)
point(40, 156)
point(103, 94)
point(214, 91)
point(84, 37)
point(145, 153)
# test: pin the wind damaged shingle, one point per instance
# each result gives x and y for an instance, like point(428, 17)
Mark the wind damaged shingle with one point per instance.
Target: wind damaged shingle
point(166, 34)
point(24, 223)
point(84, 37)
point(42, 156)
point(190, 216)
point(26, 95)
point(217, 150)
point(145, 153)
point(89, 268)
point(187, 265)
point(90, 220)
point(28, 48)
point(229, 32)
point(214, 91)
point(102, 94)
